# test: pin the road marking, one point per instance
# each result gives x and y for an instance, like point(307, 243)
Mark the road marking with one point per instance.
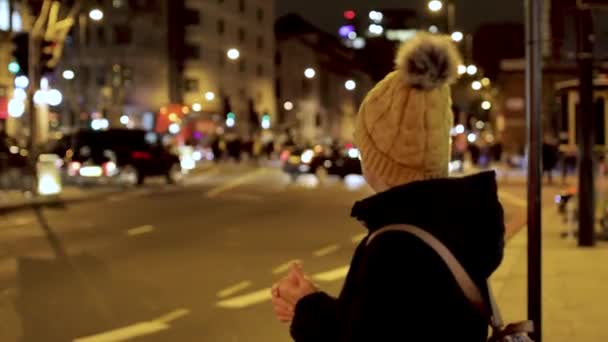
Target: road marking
point(513, 199)
point(332, 275)
point(246, 300)
point(140, 230)
point(137, 330)
point(282, 268)
point(229, 291)
point(229, 185)
point(326, 250)
point(358, 238)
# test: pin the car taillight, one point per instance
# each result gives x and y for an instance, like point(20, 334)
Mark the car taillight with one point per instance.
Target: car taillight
point(141, 155)
point(109, 169)
point(73, 168)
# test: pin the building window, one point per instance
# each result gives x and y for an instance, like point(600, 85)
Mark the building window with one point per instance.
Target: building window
point(101, 36)
point(260, 70)
point(260, 14)
point(242, 6)
point(192, 17)
point(241, 35)
point(221, 27)
point(122, 35)
point(191, 84)
point(192, 51)
point(100, 77)
point(242, 65)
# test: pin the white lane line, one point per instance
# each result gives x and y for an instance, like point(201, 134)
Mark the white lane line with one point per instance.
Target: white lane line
point(282, 268)
point(246, 300)
point(326, 250)
point(140, 230)
point(332, 275)
point(137, 330)
point(234, 183)
point(229, 291)
point(513, 199)
point(358, 238)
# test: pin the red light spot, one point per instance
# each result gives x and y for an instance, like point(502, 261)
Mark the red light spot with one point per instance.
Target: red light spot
point(349, 15)
point(141, 155)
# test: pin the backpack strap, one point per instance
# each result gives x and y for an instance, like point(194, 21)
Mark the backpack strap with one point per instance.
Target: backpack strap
point(470, 290)
point(466, 284)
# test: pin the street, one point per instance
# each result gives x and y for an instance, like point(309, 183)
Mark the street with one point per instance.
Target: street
point(187, 263)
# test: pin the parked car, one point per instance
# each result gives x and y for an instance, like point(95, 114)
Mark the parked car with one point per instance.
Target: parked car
point(121, 156)
point(321, 160)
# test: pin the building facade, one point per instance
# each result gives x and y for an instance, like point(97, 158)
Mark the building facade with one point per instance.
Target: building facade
point(319, 82)
point(228, 60)
point(120, 62)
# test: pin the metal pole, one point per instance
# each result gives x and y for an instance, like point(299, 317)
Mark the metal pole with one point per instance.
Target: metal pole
point(534, 12)
point(586, 118)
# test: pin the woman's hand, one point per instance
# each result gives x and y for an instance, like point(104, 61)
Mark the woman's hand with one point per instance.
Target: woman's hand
point(289, 290)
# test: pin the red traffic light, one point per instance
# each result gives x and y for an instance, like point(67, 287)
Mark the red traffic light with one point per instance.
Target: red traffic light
point(350, 15)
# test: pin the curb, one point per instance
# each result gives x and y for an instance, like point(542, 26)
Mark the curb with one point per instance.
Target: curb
point(53, 201)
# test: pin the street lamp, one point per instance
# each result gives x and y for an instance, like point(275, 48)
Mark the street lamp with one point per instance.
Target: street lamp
point(457, 36)
point(197, 107)
point(462, 69)
point(471, 70)
point(310, 73)
point(209, 96)
point(96, 14)
point(485, 82)
point(233, 54)
point(435, 5)
point(124, 119)
point(68, 74)
point(433, 29)
point(288, 105)
point(476, 85)
point(350, 85)
point(486, 105)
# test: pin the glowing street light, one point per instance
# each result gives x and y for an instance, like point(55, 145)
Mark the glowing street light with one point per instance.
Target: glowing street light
point(486, 105)
point(288, 105)
point(350, 85)
point(124, 119)
point(96, 14)
point(16, 108)
point(457, 36)
point(376, 16)
point(485, 82)
point(174, 128)
point(209, 96)
point(435, 5)
point(13, 67)
point(476, 85)
point(310, 73)
point(54, 97)
point(19, 94)
point(462, 69)
point(68, 74)
point(471, 70)
point(22, 82)
point(376, 29)
point(233, 54)
point(433, 29)
point(197, 107)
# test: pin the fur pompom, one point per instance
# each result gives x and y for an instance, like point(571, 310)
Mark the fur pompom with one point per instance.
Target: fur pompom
point(428, 61)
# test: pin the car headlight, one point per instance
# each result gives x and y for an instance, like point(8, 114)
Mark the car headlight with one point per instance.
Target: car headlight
point(307, 156)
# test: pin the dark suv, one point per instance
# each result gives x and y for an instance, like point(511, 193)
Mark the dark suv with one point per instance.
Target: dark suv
point(124, 156)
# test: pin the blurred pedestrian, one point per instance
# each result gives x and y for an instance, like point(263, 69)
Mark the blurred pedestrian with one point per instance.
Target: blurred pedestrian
point(397, 287)
point(550, 154)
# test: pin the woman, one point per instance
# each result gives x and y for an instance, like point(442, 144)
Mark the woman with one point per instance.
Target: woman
point(398, 288)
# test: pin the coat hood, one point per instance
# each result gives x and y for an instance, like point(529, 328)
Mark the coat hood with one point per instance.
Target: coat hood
point(463, 213)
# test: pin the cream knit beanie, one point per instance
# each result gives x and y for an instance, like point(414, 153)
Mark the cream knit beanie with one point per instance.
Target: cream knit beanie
point(403, 126)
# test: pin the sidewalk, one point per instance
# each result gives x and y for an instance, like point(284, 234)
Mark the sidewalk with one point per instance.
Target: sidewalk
point(575, 290)
point(16, 200)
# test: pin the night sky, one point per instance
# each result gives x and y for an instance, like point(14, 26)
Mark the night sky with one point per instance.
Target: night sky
point(327, 14)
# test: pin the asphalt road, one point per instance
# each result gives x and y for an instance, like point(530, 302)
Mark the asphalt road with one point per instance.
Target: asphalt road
point(188, 263)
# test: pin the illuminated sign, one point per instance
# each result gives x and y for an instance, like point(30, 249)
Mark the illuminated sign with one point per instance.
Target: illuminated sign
point(400, 35)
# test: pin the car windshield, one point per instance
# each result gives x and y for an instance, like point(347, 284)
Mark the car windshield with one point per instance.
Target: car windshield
point(165, 163)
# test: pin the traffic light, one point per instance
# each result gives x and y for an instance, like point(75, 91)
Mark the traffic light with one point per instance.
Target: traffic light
point(266, 121)
point(48, 60)
point(20, 63)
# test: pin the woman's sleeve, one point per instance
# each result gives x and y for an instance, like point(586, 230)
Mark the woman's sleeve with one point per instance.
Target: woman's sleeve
point(316, 319)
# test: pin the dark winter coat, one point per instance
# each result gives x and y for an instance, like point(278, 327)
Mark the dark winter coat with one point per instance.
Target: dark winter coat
point(398, 288)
